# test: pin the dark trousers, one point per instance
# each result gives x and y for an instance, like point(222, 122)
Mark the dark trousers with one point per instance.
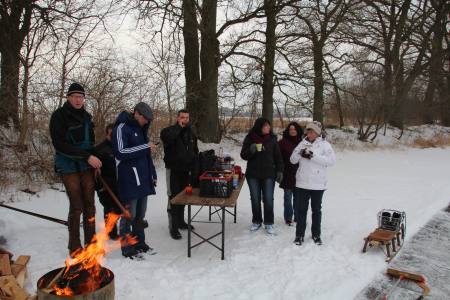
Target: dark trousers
point(109, 206)
point(261, 190)
point(80, 188)
point(178, 182)
point(289, 205)
point(135, 226)
point(301, 198)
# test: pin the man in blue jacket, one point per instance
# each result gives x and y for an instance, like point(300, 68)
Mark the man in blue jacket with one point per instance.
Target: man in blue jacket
point(136, 174)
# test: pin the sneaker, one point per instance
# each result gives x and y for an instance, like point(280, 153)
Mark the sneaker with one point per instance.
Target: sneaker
point(144, 248)
point(270, 229)
point(317, 240)
point(132, 254)
point(255, 226)
point(175, 234)
point(298, 240)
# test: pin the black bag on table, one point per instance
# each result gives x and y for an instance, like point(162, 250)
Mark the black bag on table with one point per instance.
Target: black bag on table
point(205, 162)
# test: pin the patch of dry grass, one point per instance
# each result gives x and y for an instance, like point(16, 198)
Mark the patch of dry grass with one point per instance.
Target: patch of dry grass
point(438, 141)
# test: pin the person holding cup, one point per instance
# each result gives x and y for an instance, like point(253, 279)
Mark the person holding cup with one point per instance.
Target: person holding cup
point(314, 155)
point(264, 166)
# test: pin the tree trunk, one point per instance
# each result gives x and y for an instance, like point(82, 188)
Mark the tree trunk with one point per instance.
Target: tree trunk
point(208, 124)
point(191, 60)
point(15, 23)
point(269, 62)
point(318, 83)
point(436, 61)
point(9, 93)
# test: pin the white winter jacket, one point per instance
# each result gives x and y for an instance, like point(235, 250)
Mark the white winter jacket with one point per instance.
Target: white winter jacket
point(312, 173)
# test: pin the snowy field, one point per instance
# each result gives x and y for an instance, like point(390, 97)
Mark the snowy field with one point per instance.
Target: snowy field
point(257, 266)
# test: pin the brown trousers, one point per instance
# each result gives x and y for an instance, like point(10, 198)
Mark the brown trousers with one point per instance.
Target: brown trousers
point(80, 188)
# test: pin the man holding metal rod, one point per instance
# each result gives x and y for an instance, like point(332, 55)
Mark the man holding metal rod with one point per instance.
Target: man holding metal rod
point(72, 134)
point(136, 173)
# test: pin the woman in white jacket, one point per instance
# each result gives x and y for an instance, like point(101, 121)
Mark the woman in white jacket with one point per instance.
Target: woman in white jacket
point(314, 155)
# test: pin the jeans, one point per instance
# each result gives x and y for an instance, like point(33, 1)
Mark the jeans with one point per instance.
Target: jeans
point(289, 205)
point(266, 188)
point(135, 227)
point(301, 198)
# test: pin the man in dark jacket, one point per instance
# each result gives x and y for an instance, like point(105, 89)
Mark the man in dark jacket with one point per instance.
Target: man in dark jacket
point(136, 173)
point(104, 152)
point(180, 153)
point(72, 134)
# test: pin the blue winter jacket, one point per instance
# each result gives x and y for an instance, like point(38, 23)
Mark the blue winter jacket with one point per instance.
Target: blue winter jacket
point(135, 169)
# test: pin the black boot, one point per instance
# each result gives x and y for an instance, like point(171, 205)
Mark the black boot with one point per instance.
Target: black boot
point(184, 225)
point(174, 233)
point(299, 240)
point(317, 240)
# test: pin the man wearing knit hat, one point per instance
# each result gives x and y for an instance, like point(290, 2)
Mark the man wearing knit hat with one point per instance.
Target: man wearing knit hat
point(72, 135)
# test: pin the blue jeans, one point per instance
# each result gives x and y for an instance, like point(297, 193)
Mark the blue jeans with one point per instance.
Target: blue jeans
point(266, 188)
point(289, 206)
point(301, 197)
point(137, 209)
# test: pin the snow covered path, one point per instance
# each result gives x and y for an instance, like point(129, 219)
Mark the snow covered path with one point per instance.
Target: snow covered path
point(258, 266)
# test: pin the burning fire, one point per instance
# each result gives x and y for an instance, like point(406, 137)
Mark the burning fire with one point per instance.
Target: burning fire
point(89, 260)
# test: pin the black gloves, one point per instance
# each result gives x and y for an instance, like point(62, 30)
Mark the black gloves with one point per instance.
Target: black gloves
point(306, 153)
point(279, 177)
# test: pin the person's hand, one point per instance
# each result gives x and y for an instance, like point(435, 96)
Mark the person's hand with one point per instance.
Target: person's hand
point(94, 162)
point(279, 177)
point(306, 153)
point(153, 146)
point(183, 124)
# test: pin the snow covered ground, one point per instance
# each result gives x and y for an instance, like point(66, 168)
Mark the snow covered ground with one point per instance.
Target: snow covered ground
point(257, 266)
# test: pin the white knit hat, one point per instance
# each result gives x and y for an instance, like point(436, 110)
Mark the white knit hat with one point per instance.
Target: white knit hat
point(315, 126)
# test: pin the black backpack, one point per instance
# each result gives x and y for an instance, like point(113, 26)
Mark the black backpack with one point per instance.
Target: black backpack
point(205, 162)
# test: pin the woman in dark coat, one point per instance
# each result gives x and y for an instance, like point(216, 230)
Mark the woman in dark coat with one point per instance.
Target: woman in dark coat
point(292, 136)
point(264, 167)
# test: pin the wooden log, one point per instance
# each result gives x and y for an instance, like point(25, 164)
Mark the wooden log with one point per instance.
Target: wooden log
point(5, 266)
point(11, 289)
point(19, 269)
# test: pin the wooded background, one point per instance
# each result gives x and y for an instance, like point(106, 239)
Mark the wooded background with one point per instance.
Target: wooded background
point(367, 64)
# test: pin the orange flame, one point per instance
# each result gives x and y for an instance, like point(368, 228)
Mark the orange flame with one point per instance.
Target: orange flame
point(91, 257)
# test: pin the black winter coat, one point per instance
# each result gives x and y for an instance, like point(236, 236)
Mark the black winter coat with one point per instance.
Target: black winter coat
point(262, 164)
point(180, 148)
point(104, 152)
point(287, 146)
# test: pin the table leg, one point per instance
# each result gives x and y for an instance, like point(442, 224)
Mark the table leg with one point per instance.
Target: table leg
point(235, 213)
point(223, 233)
point(209, 215)
point(189, 230)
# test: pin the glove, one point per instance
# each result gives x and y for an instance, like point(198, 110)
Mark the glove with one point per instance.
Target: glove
point(306, 154)
point(252, 148)
point(279, 177)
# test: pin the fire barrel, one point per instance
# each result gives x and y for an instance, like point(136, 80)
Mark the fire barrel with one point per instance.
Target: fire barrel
point(105, 290)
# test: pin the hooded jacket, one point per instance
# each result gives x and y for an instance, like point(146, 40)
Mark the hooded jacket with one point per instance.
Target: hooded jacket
point(135, 169)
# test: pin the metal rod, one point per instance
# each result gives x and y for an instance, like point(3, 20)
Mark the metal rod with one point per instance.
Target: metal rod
point(125, 212)
point(36, 215)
